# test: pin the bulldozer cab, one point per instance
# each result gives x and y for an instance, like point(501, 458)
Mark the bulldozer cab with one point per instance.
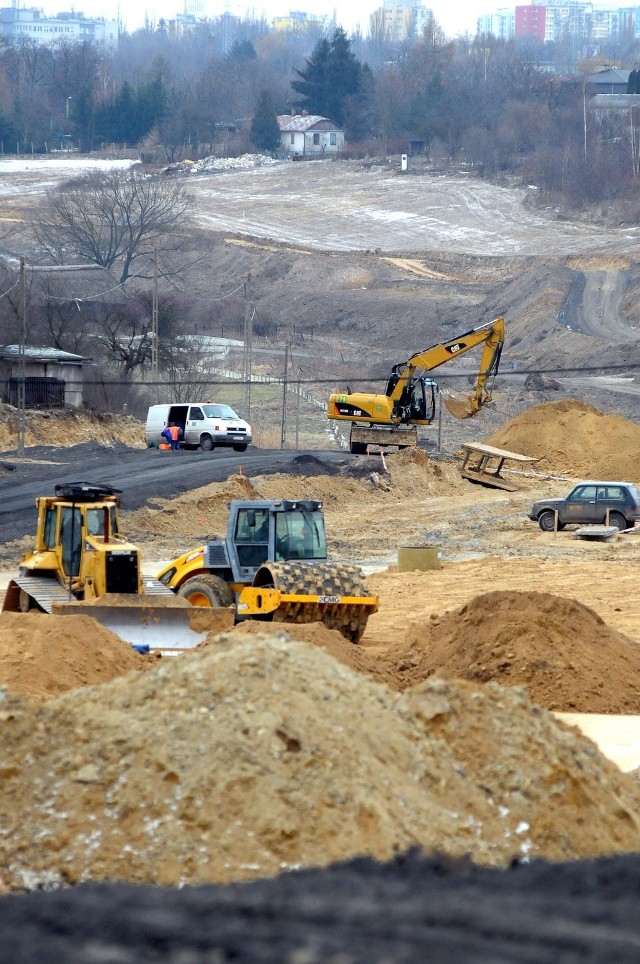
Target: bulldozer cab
point(276, 531)
point(78, 541)
point(252, 537)
point(70, 539)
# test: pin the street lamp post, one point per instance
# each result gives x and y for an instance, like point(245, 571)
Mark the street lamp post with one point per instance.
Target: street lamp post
point(67, 108)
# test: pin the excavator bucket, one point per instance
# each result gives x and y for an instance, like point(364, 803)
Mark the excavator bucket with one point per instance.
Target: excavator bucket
point(461, 406)
point(292, 592)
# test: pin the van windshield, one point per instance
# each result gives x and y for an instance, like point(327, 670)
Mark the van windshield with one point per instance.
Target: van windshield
point(219, 411)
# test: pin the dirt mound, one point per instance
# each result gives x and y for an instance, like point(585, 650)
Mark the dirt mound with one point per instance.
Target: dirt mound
point(574, 438)
point(67, 427)
point(260, 753)
point(42, 656)
point(565, 654)
point(203, 512)
point(317, 634)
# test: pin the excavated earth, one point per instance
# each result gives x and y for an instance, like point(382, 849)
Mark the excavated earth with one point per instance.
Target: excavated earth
point(272, 749)
point(287, 796)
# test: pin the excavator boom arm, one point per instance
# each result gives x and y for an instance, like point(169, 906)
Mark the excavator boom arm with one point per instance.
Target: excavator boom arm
point(491, 335)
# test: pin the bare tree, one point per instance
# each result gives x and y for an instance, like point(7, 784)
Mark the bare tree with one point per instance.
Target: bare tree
point(115, 219)
point(124, 334)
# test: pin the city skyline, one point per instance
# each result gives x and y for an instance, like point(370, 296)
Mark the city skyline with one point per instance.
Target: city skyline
point(454, 19)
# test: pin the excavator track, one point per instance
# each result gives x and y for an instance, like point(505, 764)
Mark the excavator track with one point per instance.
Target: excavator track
point(323, 580)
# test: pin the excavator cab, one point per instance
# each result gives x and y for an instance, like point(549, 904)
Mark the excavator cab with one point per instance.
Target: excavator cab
point(418, 401)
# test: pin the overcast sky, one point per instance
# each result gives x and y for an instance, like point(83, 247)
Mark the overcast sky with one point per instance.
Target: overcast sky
point(454, 16)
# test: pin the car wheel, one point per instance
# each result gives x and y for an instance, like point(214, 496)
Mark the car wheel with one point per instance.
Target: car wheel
point(618, 520)
point(206, 443)
point(208, 592)
point(547, 521)
point(239, 448)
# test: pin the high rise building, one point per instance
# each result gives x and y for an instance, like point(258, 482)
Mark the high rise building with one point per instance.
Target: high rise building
point(18, 22)
point(401, 20)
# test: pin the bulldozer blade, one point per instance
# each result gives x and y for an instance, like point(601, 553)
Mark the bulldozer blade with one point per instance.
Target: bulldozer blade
point(163, 629)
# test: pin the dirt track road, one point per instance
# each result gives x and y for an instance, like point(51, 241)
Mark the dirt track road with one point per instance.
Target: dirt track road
point(370, 208)
point(593, 306)
point(141, 474)
point(381, 209)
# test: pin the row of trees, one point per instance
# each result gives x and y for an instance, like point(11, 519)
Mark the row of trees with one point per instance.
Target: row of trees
point(492, 104)
point(184, 93)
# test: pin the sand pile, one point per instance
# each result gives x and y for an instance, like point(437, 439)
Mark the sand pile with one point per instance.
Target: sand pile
point(65, 427)
point(261, 753)
point(574, 438)
point(42, 656)
point(562, 651)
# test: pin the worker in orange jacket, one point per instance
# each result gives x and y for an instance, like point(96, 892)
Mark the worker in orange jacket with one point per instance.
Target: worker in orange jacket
point(173, 434)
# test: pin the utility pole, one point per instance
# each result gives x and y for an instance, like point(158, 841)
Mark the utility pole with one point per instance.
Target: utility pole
point(21, 363)
point(283, 433)
point(247, 359)
point(298, 413)
point(154, 316)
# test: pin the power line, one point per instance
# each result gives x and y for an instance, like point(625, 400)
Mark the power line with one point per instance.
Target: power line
point(521, 373)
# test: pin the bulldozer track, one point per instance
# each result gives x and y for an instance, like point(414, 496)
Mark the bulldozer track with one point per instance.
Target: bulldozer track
point(320, 579)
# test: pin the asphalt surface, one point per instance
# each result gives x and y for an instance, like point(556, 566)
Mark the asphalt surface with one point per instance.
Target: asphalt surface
point(361, 912)
point(142, 475)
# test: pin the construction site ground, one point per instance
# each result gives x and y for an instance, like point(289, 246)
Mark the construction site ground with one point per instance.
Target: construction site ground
point(263, 754)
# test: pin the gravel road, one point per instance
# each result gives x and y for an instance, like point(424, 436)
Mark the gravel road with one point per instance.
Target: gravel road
point(141, 474)
point(361, 912)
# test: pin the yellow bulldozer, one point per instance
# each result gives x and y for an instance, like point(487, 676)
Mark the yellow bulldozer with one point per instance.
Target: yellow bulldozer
point(273, 564)
point(82, 564)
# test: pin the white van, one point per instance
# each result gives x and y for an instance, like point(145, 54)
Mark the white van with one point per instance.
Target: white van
point(204, 425)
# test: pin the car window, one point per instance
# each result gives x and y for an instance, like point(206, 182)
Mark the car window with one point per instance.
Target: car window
point(612, 493)
point(196, 413)
point(584, 493)
point(219, 411)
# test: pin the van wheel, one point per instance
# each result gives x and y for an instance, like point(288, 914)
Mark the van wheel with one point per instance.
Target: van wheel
point(239, 448)
point(206, 443)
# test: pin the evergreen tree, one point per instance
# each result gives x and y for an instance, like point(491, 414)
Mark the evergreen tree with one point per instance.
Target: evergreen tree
point(332, 76)
point(345, 73)
point(242, 50)
point(82, 115)
point(313, 85)
point(265, 133)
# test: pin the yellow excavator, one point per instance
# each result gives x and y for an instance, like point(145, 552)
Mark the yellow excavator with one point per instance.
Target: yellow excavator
point(409, 399)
